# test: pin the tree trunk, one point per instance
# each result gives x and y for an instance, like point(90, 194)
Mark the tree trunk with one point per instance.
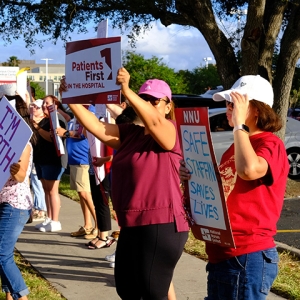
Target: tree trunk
point(252, 35)
point(273, 17)
point(288, 57)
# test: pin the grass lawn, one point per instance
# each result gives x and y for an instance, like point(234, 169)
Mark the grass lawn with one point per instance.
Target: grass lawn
point(40, 288)
point(286, 284)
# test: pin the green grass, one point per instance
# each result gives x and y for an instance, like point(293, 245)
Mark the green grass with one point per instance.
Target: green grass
point(287, 282)
point(64, 188)
point(40, 288)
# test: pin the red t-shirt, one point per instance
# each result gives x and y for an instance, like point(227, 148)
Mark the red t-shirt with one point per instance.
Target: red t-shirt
point(107, 152)
point(254, 206)
point(145, 181)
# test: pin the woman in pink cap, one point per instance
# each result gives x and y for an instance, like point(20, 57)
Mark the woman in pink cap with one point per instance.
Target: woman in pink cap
point(146, 191)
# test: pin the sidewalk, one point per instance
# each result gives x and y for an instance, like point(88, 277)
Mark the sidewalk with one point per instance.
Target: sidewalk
point(79, 273)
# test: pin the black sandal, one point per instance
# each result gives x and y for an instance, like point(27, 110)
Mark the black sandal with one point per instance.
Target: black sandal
point(91, 244)
point(107, 243)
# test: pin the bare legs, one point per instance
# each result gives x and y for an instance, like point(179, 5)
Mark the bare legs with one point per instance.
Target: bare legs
point(171, 292)
point(88, 209)
point(52, 198)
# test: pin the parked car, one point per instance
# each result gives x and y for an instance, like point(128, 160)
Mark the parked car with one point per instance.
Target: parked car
point(221, 132)
point(185, 100)
point(222, 138)
point(294, 113)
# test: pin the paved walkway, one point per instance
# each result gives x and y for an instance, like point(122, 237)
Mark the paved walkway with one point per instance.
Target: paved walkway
point(79, 273)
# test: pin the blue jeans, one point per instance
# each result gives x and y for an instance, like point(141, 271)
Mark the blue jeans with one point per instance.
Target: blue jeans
point(246, 277)
point(39, 202)
point(12, 221)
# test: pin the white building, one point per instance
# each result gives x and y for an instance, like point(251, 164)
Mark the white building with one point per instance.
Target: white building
point(37, 73)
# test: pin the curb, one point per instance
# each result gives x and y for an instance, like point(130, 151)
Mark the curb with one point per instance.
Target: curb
point(284, 247)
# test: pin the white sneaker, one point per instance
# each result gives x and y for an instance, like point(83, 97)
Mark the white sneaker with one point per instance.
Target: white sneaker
point(46, 221)
point(51, 226)
point(111, 257)
point(112, 265)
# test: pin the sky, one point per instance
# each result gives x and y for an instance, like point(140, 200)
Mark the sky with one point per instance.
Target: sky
point(181, 48)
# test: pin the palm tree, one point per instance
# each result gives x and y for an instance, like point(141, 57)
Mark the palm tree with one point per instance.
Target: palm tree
point(13, 61)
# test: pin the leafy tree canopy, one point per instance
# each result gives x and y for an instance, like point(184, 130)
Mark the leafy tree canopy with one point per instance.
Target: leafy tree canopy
point(39, 91)
point(181, 82)
point(267, 20)
point(141, 69)
point(199, 80)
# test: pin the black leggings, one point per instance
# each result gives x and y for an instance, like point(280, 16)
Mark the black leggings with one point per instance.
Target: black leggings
point(146, 257)
point(101, 207)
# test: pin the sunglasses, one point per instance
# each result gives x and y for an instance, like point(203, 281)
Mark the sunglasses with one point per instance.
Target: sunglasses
point(154, 101)
point(34, 106)
point(231, 104)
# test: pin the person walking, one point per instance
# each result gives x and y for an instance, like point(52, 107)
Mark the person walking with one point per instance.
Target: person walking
point(254, 172)
point(149, 211)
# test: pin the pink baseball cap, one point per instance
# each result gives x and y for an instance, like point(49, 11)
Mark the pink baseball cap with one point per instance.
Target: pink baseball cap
point(156, 88)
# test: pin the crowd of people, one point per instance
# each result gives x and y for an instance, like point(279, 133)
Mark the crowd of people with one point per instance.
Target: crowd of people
point(147, 201)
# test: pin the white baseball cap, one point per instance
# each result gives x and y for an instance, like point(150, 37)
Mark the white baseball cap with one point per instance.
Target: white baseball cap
point(256, 87)
point(38, 103)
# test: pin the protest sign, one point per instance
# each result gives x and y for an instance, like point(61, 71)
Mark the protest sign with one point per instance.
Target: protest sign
point(14, 135)
point(13, 80)
point(22, 82)
point(203, 192)
point(8, 75)
point(96, 150)
point(54, 123)
point(91, 70)
point(102, 30)
point(100, 111)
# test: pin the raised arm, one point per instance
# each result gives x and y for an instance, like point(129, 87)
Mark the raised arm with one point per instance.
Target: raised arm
point(46, 135)
point(114, 110)
point(248, 165)
point(152, 117)
point(105, 132)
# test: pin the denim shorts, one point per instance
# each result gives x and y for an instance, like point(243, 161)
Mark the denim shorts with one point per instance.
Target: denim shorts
point(249, 276)
point(49, 172)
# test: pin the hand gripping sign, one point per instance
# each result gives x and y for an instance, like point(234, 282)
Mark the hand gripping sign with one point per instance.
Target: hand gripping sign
point(204, 197)
point(91, 70)
point(14, 135)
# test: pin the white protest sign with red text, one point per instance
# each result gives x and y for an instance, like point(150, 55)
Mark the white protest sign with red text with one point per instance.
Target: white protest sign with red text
point(14, 135)
point(204, 191)
point(54, 123)
point(96, 150)
point(91, 70)
point(8, 75)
